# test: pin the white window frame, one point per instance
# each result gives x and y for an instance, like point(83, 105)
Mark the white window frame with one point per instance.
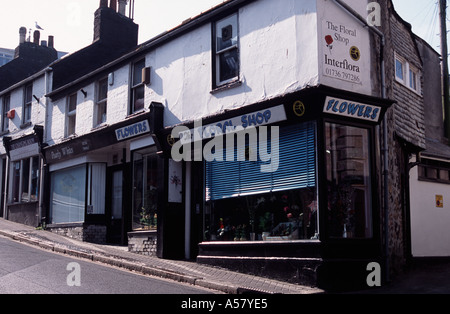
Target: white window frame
point(101, 102)
point(408, 69)
point(6, 106)
point(218, 51)
point(71, 115)
point(135, 87)
point(27, 103)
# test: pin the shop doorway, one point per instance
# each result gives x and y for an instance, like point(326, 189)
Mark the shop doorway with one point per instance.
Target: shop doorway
point(115, 186)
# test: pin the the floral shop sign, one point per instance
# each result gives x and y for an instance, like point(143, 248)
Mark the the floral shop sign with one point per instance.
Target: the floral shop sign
point(343, 55)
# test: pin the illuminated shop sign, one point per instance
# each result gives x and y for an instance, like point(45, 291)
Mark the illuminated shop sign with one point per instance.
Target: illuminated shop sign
point(352, 109)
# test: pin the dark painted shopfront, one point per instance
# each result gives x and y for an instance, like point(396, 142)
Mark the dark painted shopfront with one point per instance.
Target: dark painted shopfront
point(92, 180)
point(23, 179)
point(296, 197)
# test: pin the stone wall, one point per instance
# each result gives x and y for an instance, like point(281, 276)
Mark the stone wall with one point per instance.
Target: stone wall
point(143, 243)
point(82, 232)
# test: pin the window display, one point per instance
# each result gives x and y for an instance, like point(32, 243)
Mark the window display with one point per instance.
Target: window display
point(243, 203)
point(145, 188)
point(349, 182)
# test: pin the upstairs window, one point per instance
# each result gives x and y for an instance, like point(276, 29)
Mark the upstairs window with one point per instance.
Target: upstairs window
point(27, 103)
point(102, 100)
point(138, 87)
point(407, 75)
point(71, 115)
point(5, 110)
point(226, 51)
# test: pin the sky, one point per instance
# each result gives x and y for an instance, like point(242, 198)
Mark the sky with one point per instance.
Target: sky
point(71, 22)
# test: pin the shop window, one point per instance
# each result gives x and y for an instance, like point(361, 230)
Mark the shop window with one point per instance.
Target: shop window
point(25, 180)
point(244, 203)
point(27, 103)
point(138, 87)
point(226, 51)
point(96, 189)
point(76, 192)
point(71, 114)
point(102, 101)
point(349, 182)
point(145, 190)
point(5, 110)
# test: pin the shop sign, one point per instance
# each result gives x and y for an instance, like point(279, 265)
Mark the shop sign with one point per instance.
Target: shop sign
point(133, 130)
point(344, 57)
point(68, 150)
point(236, 124)
point(352, 109)
point(24, 148)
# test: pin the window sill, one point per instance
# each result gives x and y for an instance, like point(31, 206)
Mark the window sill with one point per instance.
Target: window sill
point(25, 125)
point(226, 86)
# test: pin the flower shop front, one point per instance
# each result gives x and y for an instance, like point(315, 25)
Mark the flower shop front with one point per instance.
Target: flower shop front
point(295, 195)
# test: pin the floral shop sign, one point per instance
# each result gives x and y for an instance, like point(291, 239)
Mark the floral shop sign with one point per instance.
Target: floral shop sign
point(343, 56)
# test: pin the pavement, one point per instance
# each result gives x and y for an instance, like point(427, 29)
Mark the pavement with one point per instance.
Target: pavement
point(421, 278)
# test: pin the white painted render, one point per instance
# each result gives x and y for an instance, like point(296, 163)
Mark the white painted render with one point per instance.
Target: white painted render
point(17, 102)
point(280, 46)
point(430, 232)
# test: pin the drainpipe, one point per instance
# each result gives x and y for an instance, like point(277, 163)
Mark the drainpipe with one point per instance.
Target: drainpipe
point(385, 148)
point(42, 188)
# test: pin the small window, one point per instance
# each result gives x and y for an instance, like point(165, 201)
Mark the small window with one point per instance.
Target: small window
point(407, 74)
point(413, 80)
point(71, 116)
point(6, 107)
point(27, 103)
point(137, 88)
point(226, 50)
point(102, 97)
point(399, 70)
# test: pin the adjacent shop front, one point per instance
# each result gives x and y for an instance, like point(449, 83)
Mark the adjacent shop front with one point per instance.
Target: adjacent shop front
point(90, 180)
point(23, 173)
point(289, 185)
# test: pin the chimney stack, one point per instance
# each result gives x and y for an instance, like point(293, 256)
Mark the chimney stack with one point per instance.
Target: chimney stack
point(122, 6)
point(51, 42)
point(36, 37)
point(22, 34)
point(113, 5)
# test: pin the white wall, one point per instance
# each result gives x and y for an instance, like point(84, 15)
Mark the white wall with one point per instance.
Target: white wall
point(16, 103)
point(430, 225)
point(278, 52)
point(280, 47)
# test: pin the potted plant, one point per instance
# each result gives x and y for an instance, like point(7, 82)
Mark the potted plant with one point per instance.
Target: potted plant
point(265, 224)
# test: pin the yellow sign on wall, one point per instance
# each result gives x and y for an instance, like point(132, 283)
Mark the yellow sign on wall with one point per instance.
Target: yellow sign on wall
point(439, 201)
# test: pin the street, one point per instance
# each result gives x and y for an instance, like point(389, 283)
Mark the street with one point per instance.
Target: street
point(28, 270)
